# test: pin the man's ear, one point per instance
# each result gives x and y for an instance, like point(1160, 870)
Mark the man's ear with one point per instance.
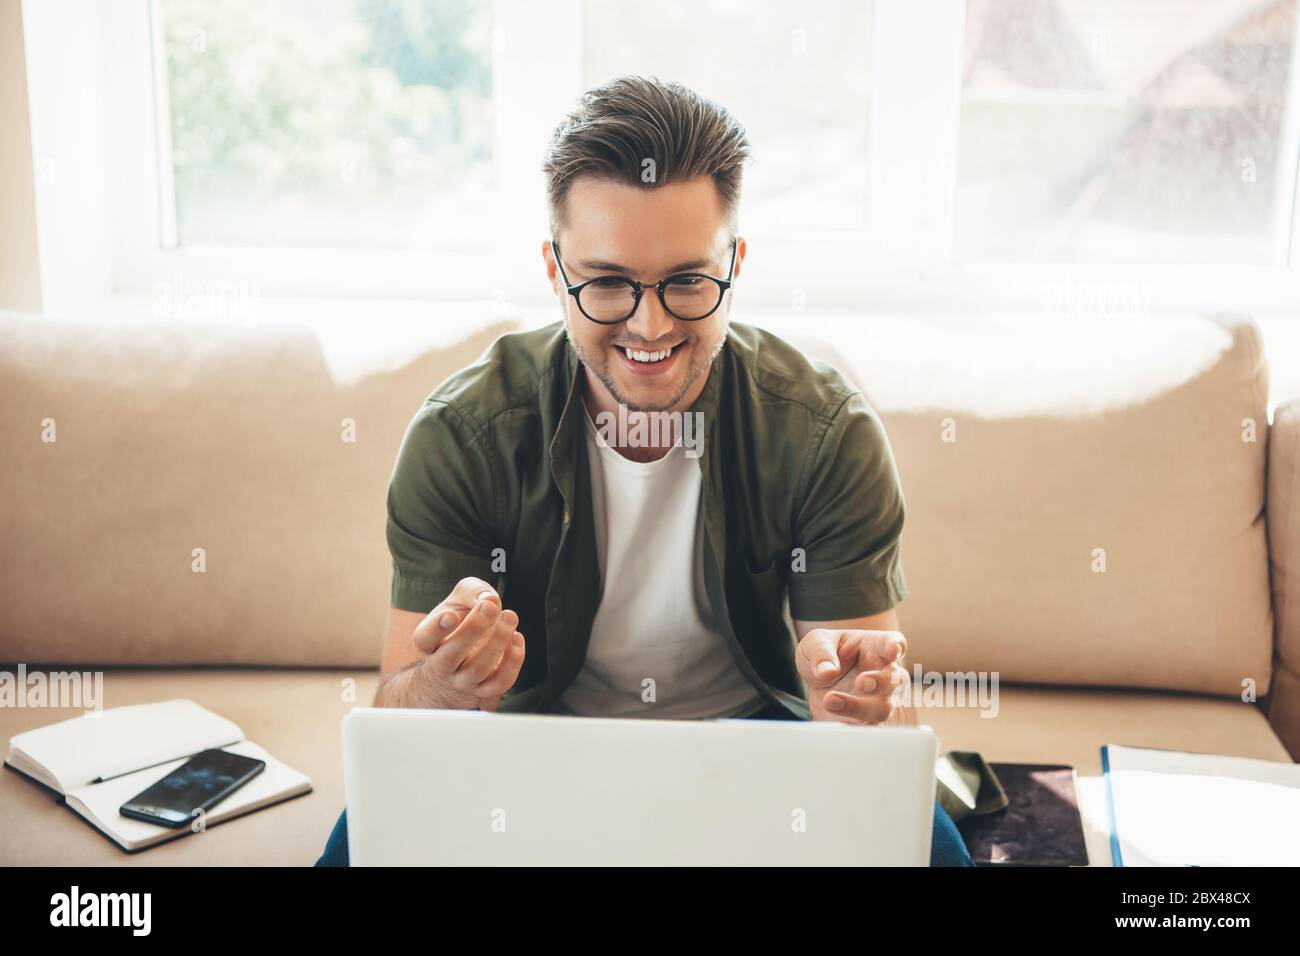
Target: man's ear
point(553, 273)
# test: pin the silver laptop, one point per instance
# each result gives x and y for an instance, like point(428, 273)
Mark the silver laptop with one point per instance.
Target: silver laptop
point(456, 788)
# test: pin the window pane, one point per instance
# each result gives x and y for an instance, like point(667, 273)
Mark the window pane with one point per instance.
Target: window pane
point(798, 77)
point(1126, 130)
point(311, 122)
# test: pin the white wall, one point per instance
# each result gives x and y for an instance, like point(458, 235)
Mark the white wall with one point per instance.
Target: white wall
point(20, 280)
point(68, 138)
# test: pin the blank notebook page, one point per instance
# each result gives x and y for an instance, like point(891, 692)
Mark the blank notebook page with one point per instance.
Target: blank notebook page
point(1182, 809)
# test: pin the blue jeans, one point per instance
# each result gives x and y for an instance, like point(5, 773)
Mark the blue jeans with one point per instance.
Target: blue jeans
point(947, 848)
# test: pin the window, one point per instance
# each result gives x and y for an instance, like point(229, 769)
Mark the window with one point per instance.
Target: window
point(1148, 131)
point(798, 77)
point(327, 122)
point(940, 154)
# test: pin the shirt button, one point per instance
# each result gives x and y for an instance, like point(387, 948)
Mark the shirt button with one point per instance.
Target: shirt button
point(555, 612)
point(566, 515)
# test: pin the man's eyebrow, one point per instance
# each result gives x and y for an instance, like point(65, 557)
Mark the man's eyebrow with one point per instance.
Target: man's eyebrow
point(599, 265)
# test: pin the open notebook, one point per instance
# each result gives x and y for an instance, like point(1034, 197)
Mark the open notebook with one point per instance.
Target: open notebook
point(99, 761)
point(1169, 808)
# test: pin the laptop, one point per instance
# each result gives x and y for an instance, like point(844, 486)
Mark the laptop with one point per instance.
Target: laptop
point(469, 788)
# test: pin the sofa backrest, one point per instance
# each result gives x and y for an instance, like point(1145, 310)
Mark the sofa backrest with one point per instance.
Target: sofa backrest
point(175, 437)
point(1084, 505)
point(1085, 500)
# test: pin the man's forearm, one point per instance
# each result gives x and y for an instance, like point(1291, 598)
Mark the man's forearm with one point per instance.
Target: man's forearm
point(398, 689)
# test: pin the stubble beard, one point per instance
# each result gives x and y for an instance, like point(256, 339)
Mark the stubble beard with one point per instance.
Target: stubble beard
point(605, 376)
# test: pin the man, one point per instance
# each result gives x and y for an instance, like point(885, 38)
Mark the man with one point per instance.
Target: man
point(645, 485)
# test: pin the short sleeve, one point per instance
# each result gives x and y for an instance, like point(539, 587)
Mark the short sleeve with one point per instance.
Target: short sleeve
point(849, 519)
point(441, 507)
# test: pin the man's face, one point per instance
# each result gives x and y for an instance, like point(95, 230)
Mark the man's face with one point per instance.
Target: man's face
point(646, 235)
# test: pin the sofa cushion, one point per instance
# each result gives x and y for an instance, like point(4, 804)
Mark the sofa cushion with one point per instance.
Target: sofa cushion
point(176, 436)
point(296, 716)
point(1082, 507)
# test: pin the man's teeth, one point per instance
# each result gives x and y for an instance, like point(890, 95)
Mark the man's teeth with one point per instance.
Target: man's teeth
point(639, 356)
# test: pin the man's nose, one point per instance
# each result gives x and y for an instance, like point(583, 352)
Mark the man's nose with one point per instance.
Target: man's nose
point(650, 322)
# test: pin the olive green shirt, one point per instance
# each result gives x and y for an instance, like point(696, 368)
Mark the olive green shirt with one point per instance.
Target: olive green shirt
point(801, 503)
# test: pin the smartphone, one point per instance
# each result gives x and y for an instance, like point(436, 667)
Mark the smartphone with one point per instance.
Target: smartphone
point(200, 784)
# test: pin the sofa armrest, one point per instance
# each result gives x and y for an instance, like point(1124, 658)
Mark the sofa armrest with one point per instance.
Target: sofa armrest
point(1284, 564)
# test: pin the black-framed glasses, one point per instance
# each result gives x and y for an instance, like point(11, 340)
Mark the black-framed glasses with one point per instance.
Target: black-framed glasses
point(609, 300)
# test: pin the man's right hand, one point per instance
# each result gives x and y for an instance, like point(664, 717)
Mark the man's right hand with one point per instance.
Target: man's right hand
point(472, 651)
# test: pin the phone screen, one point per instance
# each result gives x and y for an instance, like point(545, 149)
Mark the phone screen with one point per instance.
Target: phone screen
point(203, 781)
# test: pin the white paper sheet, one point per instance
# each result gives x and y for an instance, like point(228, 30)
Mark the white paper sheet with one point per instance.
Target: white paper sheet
point(120, 740)
point(1183, 809)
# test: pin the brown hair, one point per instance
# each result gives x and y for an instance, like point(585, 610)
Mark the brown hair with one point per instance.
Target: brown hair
point(626, 121)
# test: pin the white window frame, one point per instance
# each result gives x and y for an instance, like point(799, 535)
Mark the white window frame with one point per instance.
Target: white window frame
point(145, 253)
point(903, 260)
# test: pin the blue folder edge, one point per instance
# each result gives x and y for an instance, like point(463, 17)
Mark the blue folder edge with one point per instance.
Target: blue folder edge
point(1116, 859)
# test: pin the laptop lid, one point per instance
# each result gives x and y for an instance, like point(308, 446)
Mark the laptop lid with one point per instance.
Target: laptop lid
point(445, 787)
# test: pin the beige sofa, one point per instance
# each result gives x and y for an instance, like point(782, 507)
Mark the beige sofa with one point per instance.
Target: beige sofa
point(1086, 517)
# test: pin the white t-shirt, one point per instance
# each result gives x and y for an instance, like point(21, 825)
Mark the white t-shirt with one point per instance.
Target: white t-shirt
point(653, 649)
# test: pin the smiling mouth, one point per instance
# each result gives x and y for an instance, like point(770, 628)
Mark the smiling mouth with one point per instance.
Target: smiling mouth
point(649, 356)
